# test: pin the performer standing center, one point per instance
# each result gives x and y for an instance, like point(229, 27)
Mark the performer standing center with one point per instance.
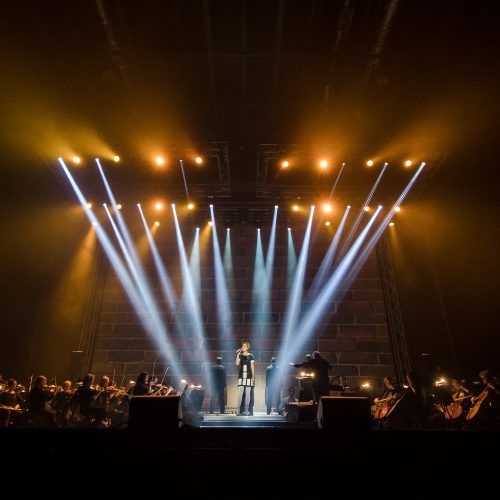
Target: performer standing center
point(246, 378)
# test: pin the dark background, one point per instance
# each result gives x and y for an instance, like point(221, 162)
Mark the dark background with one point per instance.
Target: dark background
point(394, 79)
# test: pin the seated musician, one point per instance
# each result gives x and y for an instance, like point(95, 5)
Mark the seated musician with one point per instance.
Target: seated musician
point(62, 403)
point(283, 407)
point(85, 396)
point(10, 404)
point(485, 410)
point(38, 399)
point(141, 386)
point(389, 395)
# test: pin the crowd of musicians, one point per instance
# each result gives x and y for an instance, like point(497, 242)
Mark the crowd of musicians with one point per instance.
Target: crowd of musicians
point(438, 403)
point(84, 403)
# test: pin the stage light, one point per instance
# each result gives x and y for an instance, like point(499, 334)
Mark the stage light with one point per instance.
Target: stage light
point(173, 205)
point(159, 160)
point(116, 158)
point(285, 164)
point(366, 385)
point(77, 160)
point(94, 223)
point(289, 228)
point(366, 209)
point(198, 160)
point(258, 229)
point(327, 223)
point(275, 206)
point(391, 224)
point(211, 206)
point(89, 205)
point(323, 164)
point(408, 163)
point(210, 223)
point(159, 205)
point(295, 208)
point(369, 163)
point(190, 206)
point(397, 209)
point(197, 229)
point(157, 223)
point(119, 206)
point(184, 381)
point(228, 229)
point(327, 208)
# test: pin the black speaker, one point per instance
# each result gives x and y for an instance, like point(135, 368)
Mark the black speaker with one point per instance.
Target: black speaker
point(155, 412)
point(344, 413)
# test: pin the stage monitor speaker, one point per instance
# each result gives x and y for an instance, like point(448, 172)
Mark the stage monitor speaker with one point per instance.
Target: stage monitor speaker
point(155, 412)
point(344, 413)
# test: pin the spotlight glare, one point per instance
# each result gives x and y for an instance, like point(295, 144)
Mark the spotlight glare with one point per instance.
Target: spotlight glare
point(323, 164)
point(366, 209)
point(119, 206)
point(197, 229)
point(275, 206)
point(327, 223)
point(190, 206)
point(89, 205)
point(116, 158)
point(391, 224)
point(173, 205)
point(94, 223)
point(408, 163)
point(348, 206)
point(198, 160)
point(159, 205)
point(397, 209)
point(295, 208)
point(210, 223)
point(160, 160)
point(369, 163)
point(285, 164)
point(289, 228)
point(157, 223)
point(228, 229)
point(211, 206)
point(327, 208)
point(77, 160)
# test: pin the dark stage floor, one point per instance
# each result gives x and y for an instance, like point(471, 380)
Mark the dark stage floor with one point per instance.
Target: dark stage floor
point(219, 462)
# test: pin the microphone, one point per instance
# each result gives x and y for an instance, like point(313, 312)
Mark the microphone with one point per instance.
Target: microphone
point(238, 351)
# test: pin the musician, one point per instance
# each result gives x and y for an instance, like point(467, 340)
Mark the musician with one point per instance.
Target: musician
point(85, 396)
point(283, 407)
point(319, 367)
point(485, 410)
point(62, 403)
point(10, 401)
point(245, 361)
point(38, 399)
point(217, 385)
point(273, 386)
point(391, 389)
point(141, 387)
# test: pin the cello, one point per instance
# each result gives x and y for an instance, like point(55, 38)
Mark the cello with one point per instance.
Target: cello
point(477, 402)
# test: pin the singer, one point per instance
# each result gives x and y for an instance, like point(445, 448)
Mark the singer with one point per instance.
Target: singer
point(246, 379)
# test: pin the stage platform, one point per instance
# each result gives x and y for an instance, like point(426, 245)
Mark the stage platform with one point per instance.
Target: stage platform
point(227, 420)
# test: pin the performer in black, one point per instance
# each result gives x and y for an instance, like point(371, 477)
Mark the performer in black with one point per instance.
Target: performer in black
point(141, 386)
point(217, 379)
point(246, 378)
point(273, 386)
point(319, 367)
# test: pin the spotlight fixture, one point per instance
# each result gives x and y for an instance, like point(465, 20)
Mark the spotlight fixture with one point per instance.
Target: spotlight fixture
point(285, 164)
point(276, 206)
point(197, 229)
point(157, 223)
point(397, 209)
point(159, 205)
point(327, 208)
point(77, 160)
point(408, 163)
point(289, 228)
point(295, 208)
point(327, 223)
point(89, 205)
point(198, 160)
point(229, 229)
point(369, 163)
point(173, 205)
point(367, 208)
point(116, 158)
point(190, 206)
point(159, 160)
point(119, 206)
point(391, 224)
point(323, 164)
point(210, 223)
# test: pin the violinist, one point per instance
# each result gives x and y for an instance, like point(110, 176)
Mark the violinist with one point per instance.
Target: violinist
point(38, 399)
point(141, 387)
point(10, 404)
point(86, 396)
point(61, 403)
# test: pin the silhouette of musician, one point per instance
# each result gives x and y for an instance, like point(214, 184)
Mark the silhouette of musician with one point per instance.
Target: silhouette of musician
point(319, 368)
point(217, 378)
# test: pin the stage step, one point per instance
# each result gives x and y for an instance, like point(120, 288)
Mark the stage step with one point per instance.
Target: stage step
point(232, 420)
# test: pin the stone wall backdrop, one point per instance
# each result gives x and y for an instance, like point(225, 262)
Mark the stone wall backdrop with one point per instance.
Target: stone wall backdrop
point(353, 335)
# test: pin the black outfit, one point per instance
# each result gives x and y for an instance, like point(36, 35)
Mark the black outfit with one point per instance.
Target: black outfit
point(321, 381)
point(85, 396)
point(273, 387)
point(140, 389)
point(217, 386)
point(37, 401)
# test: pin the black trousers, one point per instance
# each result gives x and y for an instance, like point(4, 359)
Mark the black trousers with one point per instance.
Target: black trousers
point(217, 393)
point(273, 394)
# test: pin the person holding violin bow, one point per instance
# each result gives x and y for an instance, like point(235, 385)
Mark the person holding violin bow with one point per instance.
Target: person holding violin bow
point(484, 413)
point(38, 400)
point(11, 404)
point(86, 396)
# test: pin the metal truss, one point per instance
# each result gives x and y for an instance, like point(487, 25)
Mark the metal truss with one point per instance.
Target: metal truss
point(93, 309)
point(393, 311)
